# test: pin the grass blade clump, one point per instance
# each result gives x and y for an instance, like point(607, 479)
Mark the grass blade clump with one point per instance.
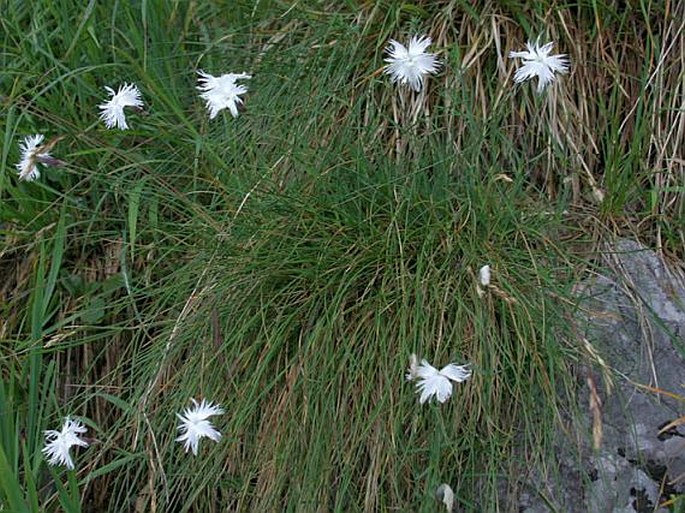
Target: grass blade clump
point(322, 294)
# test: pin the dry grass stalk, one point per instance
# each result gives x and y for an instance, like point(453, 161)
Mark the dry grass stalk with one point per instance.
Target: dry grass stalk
point(596, 411)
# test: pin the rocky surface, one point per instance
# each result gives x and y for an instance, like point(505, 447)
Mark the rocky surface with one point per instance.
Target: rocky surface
point(633, 315)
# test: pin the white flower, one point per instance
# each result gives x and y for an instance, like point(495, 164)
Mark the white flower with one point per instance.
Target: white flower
point(113, 110)
point(30, 151)
point(408, 66)
point(484, 275)
point(58, 443)
point(222, 92)
point(484, 279)
point(413, 368)
point(194, 424)
point(445, 495)
point(34, 152)
point(434, 382)
point(537, 62)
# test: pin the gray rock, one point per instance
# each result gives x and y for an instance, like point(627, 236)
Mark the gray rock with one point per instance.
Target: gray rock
point(633, 315)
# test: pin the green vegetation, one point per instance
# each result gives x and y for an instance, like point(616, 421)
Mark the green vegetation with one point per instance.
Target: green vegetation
point(287, 262)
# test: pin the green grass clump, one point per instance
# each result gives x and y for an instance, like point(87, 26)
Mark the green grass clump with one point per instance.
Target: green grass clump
point(287, 262)
point(321, 297)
